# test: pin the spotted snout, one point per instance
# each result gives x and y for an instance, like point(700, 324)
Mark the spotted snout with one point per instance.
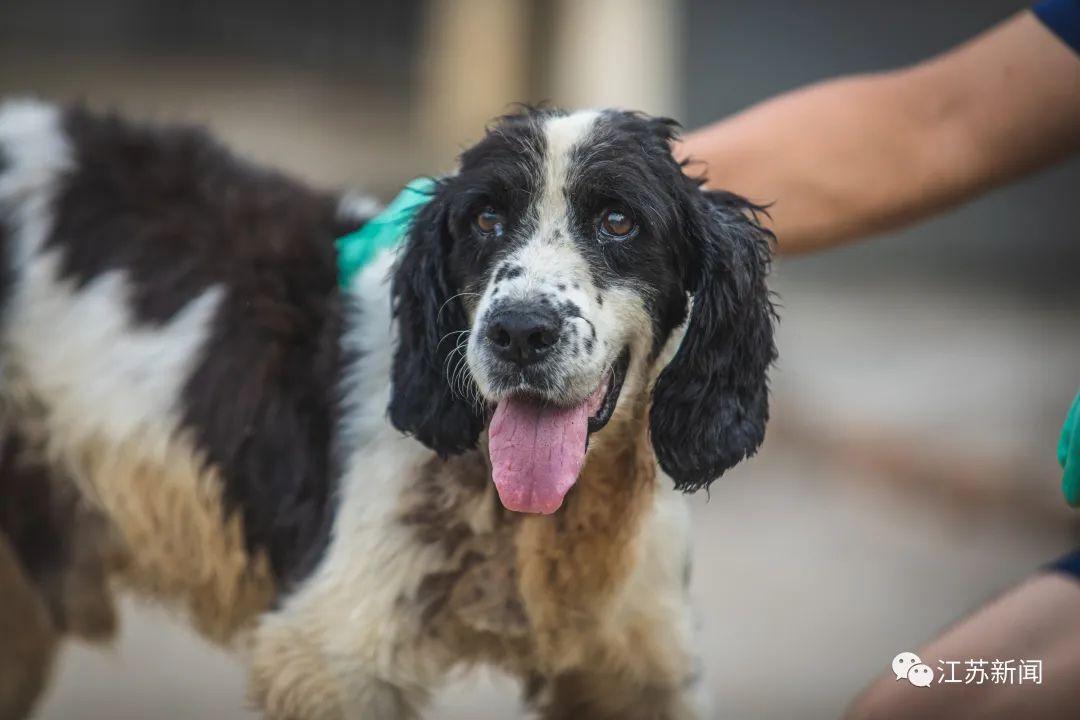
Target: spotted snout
point(539, 339)
point(523, 333)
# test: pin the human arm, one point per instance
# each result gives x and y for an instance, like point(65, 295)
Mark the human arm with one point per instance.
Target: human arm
point(854, 156)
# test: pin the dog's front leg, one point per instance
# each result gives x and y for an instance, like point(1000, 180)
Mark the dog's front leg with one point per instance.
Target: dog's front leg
point(349, 643)
point(316, 663)
point(295, 677)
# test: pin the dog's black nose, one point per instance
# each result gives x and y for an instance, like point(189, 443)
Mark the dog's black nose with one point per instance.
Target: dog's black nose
point(523, 336)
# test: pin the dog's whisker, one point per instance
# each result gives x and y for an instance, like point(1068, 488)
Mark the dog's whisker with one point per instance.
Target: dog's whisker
point(457, 376)
point(467, 389)
point(463, 377)
point(452, 332)
point(451, 371)
point(457, 344)
point(438, 315)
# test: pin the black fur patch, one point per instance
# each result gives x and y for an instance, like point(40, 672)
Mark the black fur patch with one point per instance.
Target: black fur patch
point(711, 402)
point(179, 214)
point(508, 272)
point(26, 513)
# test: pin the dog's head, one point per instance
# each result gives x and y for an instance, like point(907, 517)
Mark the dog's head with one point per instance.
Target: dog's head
point(545, 279)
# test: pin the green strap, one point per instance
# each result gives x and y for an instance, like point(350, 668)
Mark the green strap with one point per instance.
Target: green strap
point(1069, 454)
point(385, 230)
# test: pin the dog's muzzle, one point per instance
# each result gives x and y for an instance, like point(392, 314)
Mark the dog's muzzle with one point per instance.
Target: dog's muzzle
point(522, 334)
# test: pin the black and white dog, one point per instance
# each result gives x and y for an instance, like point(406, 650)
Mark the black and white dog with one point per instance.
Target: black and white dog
point(450, 461)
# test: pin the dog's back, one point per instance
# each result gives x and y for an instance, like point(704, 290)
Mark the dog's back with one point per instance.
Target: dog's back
point(170, 322)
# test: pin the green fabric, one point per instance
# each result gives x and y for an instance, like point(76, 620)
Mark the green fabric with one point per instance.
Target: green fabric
point(357, 249)
point(1069, 454)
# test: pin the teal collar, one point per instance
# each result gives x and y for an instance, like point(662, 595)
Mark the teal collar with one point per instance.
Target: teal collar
point(357, 249)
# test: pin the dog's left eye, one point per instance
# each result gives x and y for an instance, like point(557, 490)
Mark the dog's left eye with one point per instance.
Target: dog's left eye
point(616, 225)
point(489, 222)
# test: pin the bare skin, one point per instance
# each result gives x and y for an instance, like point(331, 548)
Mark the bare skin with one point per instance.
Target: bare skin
point(847, 158)
point(855, 156)
point(1039, 619)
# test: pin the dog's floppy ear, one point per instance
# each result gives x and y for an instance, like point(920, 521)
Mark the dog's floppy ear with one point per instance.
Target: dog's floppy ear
point(429, 316)
point(710, 404)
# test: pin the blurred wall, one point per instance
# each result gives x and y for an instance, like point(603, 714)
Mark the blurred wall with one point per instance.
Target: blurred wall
point(365, 92)
point(481, 56)
point(372, 41)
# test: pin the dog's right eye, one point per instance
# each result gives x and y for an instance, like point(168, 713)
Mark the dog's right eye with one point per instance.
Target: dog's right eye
point(616, 224)
point(489, 222)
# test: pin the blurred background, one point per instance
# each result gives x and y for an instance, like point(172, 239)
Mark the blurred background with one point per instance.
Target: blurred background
point(909, 472)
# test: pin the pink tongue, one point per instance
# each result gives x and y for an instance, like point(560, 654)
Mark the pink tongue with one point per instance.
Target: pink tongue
point(537, 451)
